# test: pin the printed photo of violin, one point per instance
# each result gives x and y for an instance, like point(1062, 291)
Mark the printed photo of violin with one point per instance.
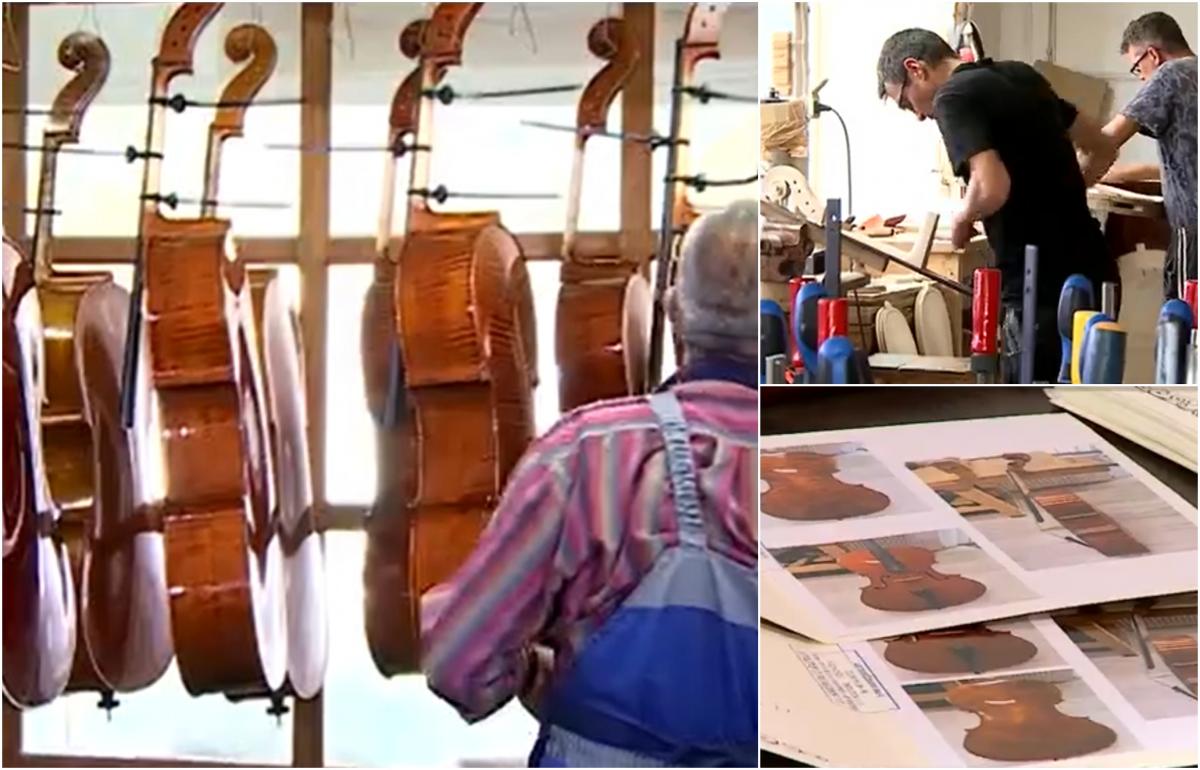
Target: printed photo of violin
point(1049, 509)
point(1031, 718)
point(1147, 651)
point(973, 649)
point(827, 482)
point(882, 585)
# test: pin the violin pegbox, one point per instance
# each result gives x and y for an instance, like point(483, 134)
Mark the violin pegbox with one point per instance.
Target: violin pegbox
point(443, 38)
point(87, 56)
point(702, 33)
point(178, 46)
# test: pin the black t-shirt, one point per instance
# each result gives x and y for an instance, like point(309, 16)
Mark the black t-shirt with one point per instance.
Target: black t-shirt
point(1009, 107)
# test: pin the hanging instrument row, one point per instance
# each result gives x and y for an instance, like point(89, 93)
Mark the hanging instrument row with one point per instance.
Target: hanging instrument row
point(158, 503)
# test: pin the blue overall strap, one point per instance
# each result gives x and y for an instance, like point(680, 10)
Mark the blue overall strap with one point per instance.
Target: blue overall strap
point(680, 467)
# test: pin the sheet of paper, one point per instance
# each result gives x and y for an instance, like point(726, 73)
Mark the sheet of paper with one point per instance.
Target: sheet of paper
point(1078, 690)
point(869, 533)
point(1161, 418)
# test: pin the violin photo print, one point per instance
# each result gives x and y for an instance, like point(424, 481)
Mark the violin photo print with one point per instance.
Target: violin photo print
point(380, 384)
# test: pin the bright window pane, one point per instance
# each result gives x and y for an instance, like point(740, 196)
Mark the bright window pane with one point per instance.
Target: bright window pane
point(373, 721)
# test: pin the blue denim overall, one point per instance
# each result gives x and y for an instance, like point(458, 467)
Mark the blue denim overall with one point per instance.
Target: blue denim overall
point(671, 678)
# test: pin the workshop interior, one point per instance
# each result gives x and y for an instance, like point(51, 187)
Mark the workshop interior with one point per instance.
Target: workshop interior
point(861, 202)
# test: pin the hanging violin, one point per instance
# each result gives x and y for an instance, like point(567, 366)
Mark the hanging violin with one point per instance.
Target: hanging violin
point(465, 314)
point(902, 579)
point(280, 357)
point(387, 525)
point(602, 317)
point(702, 32)
point(123, 642)
point(1018, 722)
point(970, 649)
point(224, 563)
point(804, 487)
point(39, 603)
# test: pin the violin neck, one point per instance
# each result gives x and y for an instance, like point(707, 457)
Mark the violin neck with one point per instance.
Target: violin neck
point(387, 207)
point(44, 218)
point(212, 172)
point(884, 556)
point(574, 196)
point(156, 131)
point(419, 170)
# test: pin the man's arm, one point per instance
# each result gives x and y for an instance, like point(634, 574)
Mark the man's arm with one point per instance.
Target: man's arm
point(477, 628)
point(1096, 147)
point(987, 192)
point(1117, 132)
point(1132, 172)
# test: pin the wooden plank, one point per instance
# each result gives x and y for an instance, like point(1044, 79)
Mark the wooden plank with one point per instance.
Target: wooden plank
point(12, 735)
point(16, 92)
point(316, 91)
point(71, 760)
point(637, 117)
point(338, 251)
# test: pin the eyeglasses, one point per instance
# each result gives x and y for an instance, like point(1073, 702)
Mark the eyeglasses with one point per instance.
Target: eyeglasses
point(902, 102)
point(1134, 69)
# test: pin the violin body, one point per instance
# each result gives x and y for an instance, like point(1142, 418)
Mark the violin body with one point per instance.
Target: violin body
point(39, 635)
point(282, 358)
point(223, 561)
point(1019, 722)
point(465, 312)
point(967, 650)
point(602, 333)
point(804, 487)
point(125, 614)
point(913, 584)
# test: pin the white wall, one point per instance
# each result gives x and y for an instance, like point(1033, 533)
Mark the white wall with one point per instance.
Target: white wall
point(894, 156)
point(1085, 37)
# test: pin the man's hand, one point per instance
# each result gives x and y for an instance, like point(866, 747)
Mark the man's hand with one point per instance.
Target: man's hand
point(539, 661)
point(962, 229)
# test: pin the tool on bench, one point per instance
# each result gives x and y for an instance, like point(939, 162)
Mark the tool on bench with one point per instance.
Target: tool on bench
point(1077, 294)
point(1102, 361)
point(772, 333)
point(1029, 314)
point(985, 324)
point(1172, 341)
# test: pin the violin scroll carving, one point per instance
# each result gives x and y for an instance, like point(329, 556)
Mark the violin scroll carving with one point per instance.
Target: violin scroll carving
point(176, 52)
point(610, 40)
point(87, 56)
point(253, 45)
point(442, 43)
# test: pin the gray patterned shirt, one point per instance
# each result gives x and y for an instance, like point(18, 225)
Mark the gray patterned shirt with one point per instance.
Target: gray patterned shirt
point(1165, 109)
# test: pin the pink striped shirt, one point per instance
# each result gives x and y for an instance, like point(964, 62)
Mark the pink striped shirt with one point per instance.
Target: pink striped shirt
point(584, 516)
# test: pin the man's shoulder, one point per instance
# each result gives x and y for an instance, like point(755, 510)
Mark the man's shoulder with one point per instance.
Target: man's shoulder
point(1182, 71)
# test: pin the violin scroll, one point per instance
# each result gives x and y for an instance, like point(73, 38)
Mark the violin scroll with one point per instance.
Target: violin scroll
point(252, 44)
point(410, 38)
point(406, 102)
point(175, 53)
point(609, 40)
point(87, 56)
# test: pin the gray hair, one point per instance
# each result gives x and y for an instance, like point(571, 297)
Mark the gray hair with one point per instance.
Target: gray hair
point(716, 297)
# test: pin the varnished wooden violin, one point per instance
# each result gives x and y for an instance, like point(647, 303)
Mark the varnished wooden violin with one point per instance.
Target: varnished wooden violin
point(968, 649)
point(603, 312)
point(804, 487)
point(1018, 722)
point(280, 358)
point(903, 579)
point(223, 558)
point(389, 632)
point(39, 603)
point(700, 39)
point(465, 314)
point(123, 637)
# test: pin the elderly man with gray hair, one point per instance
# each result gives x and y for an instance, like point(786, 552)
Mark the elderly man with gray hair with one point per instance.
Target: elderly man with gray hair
point(615, 591)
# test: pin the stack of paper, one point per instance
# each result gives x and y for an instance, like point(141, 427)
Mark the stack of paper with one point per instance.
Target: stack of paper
point(1160, 418)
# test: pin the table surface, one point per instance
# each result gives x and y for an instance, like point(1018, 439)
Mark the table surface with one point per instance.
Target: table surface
point(796, 410)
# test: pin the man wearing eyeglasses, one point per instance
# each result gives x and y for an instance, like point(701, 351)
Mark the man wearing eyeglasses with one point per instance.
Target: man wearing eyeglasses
point(1165, 109)
point(1009, 135)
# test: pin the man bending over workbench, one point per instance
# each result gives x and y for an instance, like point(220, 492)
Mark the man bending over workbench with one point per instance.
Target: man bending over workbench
point(1011, 138)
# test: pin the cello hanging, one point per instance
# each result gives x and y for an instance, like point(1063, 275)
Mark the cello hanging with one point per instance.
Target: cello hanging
point(602, 316)
point(224, 564)
point(465, 314)
point(280, 357)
